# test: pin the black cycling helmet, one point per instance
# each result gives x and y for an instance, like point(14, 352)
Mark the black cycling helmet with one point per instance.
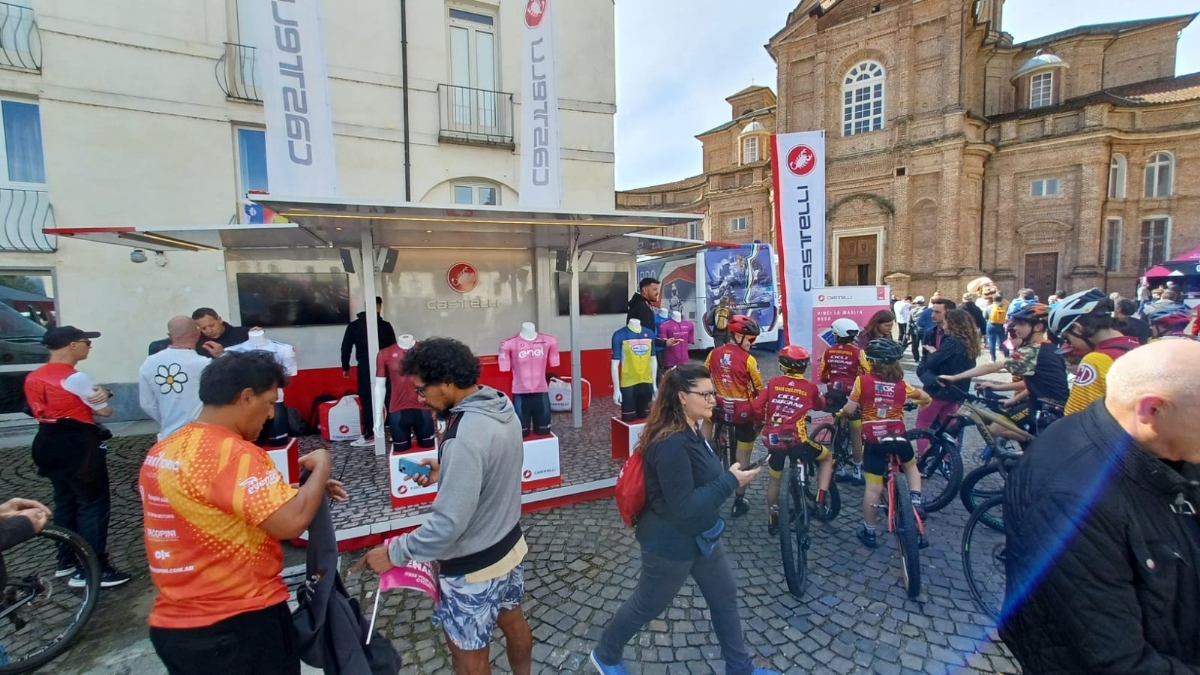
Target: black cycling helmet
point(741, 324)
point(883, 350)
point(1173, 316)
point(1031, 314)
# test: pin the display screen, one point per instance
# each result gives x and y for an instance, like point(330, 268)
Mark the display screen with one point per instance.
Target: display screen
point(599, 293)
point(277, 300)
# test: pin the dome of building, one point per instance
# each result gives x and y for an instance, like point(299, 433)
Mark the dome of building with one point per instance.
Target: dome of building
point(754, 127)
point(1038, 62)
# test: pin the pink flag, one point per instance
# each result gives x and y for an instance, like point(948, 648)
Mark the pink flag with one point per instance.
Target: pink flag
point(416, 575)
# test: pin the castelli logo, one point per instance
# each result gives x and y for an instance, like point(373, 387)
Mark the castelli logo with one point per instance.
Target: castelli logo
point(801, 160)
point(820, 298)
point(528, 474)
point(535, 11)
point(403, 489)
point(558, 397)
point(462, 277)
point(344, 429)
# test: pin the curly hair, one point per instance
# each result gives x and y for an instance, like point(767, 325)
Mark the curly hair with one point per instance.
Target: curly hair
point(666, 414)
point(442, 361)
point(961, 325)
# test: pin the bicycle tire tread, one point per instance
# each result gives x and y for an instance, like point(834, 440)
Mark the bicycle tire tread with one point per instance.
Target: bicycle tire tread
point(906, 536)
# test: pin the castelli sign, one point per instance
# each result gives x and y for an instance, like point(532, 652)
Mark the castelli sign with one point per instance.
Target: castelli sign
point(462, 277)
point(534, 11)
point(801, 160)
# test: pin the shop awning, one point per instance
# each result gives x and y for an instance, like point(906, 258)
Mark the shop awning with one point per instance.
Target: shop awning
point(339, 223)
point(1183, 265)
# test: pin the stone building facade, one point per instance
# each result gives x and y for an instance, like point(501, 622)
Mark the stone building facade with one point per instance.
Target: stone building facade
point(1064, 162)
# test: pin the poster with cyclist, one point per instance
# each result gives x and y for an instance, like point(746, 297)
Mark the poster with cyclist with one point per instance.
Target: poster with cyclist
point(745, 277)
point(857, 303)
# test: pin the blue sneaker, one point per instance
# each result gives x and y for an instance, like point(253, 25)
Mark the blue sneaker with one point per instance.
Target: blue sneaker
point(604, 669)
point(765, 671)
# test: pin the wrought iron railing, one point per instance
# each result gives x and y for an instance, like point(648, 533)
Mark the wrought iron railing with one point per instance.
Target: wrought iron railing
point(26, 214)
point(470, 115)
point(20, 41)
point(237, 73)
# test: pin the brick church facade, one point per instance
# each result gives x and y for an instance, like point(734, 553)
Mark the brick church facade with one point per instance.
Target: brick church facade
point(1067, 161)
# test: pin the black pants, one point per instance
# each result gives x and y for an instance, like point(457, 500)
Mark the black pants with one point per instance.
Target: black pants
point(635, 402)
point(657, 587)
point(364, 397)
point(534, 412)
point(254, 643)
point(73, 457)
point(407, 424)
point(916, 344)
point(903, 330)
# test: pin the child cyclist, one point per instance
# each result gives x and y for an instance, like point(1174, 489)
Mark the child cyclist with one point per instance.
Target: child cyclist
point(841, 365)
point(784, 405)
point(737, 381)
point(881, 395)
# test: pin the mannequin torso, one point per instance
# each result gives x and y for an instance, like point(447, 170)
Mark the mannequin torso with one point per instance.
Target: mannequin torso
point(684, 332)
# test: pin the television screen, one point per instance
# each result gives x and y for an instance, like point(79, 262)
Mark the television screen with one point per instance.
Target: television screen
point(279, 300)
point(599, 293)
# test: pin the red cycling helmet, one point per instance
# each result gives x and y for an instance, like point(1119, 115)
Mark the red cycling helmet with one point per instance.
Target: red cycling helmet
point(741, 324)
point(794, 359)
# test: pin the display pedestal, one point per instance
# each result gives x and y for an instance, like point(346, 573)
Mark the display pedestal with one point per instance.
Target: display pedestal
point(625, 436)
point(541, 467)
point(404, 491)
point(287, 461)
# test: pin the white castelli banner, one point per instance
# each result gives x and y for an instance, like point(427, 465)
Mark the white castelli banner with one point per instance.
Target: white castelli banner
point(541, 170)
point(295, 86)
point(798, 162)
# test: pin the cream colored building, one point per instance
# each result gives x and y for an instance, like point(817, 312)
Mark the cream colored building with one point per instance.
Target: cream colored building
point(124, 112)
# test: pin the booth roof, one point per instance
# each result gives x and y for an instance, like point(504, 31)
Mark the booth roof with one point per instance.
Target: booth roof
point(339, 223)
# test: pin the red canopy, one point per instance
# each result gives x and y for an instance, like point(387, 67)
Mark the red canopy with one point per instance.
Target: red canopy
point(1185, 265)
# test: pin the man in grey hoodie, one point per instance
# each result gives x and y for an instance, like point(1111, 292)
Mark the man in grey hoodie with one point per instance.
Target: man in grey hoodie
point(474, 531)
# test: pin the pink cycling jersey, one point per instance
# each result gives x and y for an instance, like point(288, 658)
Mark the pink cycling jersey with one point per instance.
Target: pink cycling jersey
point(528, 361)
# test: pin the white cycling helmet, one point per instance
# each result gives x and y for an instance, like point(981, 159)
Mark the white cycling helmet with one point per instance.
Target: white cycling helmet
point(920, 300)
point(845, 328)
point(1069, 309)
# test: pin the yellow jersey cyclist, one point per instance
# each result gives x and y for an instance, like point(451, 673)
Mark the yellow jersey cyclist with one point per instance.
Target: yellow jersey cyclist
point(1039, 373)
point(737, 380)
point(841, 365)
point(1082, 325)
point(881, 395)
point(783, 405)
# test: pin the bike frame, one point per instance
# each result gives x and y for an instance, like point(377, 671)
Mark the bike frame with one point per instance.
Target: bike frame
point(893, 467)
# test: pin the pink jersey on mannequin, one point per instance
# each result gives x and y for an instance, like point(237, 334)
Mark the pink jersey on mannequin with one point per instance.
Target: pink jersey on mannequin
point(528, 361)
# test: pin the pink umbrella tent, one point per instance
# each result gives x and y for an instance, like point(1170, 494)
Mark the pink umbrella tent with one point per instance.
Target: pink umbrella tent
point(1187, 264)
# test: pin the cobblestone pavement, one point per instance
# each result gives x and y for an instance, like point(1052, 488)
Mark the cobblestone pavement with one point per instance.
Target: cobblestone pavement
point(855, 617)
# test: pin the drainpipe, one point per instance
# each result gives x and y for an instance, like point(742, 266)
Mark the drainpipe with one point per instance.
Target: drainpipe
point(404, 95)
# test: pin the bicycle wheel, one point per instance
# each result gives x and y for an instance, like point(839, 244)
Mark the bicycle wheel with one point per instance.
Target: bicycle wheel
point(41, 616)
point(941, 469)
point(828, 436)
point(833, 498)
point(983, 550)
point(720, 442)
point(793, 525)
point(905, 529)
point(982, 484)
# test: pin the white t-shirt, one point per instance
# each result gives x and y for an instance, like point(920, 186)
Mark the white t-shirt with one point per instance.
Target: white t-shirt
point(903, 311)
point(169, 388)
point(82, 386)
point(284, 353)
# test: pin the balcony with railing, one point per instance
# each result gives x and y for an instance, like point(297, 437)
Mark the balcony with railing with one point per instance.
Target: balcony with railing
point(237, 73)
point(20, 41)
point(475, 116)
point(24, 215)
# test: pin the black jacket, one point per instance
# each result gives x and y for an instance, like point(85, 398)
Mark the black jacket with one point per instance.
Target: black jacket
point(233, 335)
point(685, 487)
point(1134, 327)
point(977, 315)
point(355, 339)
point(951, 358)
point(331, 631)
point(640, 309)
point(1102, 564)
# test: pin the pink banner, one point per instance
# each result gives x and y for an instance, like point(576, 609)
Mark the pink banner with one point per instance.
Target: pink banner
point(415, 575)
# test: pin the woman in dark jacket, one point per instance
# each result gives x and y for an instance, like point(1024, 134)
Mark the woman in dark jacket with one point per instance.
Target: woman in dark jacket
point(954, 348)
point(880, 326)
point(679, 532)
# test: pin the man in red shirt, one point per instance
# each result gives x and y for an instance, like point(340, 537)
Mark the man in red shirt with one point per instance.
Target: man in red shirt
point(69, 447)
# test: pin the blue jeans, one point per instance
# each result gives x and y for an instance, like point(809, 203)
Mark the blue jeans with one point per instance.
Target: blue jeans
point(996, 337)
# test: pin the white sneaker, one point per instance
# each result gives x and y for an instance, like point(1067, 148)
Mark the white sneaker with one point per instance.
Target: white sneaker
point(363, 443)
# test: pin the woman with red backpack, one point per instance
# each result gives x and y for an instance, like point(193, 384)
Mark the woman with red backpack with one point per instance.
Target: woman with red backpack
point(679, 530)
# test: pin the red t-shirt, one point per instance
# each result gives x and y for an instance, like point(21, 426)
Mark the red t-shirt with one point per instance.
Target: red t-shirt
point(49, 400)
point(404, 392)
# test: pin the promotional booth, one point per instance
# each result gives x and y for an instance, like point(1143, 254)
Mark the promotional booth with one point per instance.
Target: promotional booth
point(537, 295)
point(1181, 272)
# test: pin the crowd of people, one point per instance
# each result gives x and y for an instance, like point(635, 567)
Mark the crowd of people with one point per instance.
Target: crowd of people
point(1107, 528)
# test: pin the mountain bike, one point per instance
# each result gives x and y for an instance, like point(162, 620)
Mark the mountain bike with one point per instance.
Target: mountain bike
point(724, 439)
point(987, 480)
point(904, 522)
point(836, 435)
point(797, 503)
point(40, 615)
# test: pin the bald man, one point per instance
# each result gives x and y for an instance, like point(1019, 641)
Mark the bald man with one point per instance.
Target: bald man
point(169, 381)
point(1103, 542)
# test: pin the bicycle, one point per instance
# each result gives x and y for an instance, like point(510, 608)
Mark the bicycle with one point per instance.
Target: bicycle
point(40, 616)
point(984, 548)
point(903, 521)
point(794, 508)
point(835, 435)
point(978, 485)
point(724, 439)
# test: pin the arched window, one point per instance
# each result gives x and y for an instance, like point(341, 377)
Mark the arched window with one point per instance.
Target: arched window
point(862, 99)
point(1159, 172)
point(1116, 177)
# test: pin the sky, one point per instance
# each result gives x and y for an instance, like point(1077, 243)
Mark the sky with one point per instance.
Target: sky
point(677, 60)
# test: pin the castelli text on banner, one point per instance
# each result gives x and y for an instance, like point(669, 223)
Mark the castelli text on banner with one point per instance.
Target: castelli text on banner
point(798, 162)
point(541, 171)
point(291, 63)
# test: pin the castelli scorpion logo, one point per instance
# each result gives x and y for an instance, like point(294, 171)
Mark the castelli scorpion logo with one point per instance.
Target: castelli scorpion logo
point(462, 277)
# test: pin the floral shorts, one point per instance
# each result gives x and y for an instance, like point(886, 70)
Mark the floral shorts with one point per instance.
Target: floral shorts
point(467, 612)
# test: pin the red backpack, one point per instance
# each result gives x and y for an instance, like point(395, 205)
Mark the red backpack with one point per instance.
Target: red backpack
point(630, 491)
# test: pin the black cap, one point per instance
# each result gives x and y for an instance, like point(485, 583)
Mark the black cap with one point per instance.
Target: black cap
point(63, 336)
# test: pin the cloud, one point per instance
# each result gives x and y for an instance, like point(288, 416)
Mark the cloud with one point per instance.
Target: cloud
point(677, 60)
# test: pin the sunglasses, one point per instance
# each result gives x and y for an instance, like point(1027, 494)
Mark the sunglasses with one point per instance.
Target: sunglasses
point(86, 342)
